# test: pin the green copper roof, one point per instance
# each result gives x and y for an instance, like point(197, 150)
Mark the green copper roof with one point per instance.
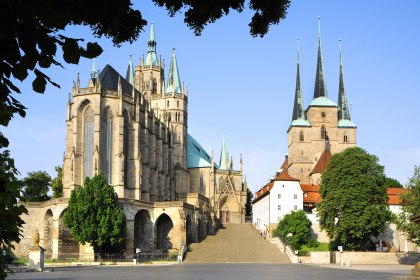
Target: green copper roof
point(298, 117)
point(320, 89)
point(323, 102)
point(346, 123)
point(130, 72)
point(151, 57)
point(197, 156)
point(300, 122)
point(224, 156)
point(173, 84)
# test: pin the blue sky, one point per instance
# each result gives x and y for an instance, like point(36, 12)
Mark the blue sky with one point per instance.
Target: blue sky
point(244, 86)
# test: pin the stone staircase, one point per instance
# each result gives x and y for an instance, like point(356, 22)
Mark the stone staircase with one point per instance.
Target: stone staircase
point(235, 243)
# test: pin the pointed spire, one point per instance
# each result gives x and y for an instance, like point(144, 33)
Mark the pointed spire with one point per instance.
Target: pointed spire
point(298, 116)
point(151, 58)
point(130, 71)
point(298, 107)
point(343, 112)
point(173, 84)
point(320, 87)
point(93, 73)
point(224, 156)
point(240, 163)
point(344, 115)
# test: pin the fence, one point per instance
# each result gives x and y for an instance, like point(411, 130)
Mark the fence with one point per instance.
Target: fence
point(117, 257)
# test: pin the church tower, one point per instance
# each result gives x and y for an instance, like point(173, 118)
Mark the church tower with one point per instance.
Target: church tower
point(323, 129)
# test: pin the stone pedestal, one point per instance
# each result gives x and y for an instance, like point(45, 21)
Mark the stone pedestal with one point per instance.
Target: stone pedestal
point(415, 272)
point(36, 258)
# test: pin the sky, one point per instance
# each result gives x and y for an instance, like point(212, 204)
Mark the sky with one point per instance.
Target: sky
point(244, 87)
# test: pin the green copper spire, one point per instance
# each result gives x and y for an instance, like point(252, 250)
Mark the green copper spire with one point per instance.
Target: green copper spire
point(320, 87)
point(224, 156)
point(320, 90)
point(93, 73)
point(173, 84)
point(130, 71)
point(298, 117)
point(151, 58)
point(344, 117)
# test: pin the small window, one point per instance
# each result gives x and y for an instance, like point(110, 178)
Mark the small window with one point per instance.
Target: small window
point(305, 194)
point(168, 104)
point(295, 207)
point(177, 103)
point(278, 207)
point(323, 114)
point(301, 136)
point(295, 196)
point(279, 196)
point(302, 152)
point(345, 138)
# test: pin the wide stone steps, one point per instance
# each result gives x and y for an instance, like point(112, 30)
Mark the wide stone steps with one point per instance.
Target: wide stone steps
point(236, 243)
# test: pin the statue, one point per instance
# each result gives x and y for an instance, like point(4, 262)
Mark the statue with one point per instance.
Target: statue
point(36, 238)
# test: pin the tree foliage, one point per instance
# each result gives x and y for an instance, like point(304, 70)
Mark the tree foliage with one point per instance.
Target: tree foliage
point(294, 227)
point(392, 183)
point(37, 185)
point(95, 216)
point(57, 183)
point(411, 208)
point(354, 201)
point(10, 212)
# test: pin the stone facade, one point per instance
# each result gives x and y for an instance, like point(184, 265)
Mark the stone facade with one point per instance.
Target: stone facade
point(135, 131)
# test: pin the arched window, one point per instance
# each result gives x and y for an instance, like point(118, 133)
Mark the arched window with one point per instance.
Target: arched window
point(301, 136)
point(345, 137)
point(107, 137)
point(167, 103)
point(323, 133)
point(177, 103)
point(88, 118)
point(126, 146)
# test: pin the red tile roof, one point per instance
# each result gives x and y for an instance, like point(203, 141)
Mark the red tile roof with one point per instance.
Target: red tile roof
point(394, 195)
point(322, 163)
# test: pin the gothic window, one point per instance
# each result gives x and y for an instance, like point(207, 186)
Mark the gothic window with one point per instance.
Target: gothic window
point(345, 137)
point(88, 119)
point(154, 87)
point(323, 133)
point(167, 103)
point(301, 136)
point(107, 138)
point(126, 146)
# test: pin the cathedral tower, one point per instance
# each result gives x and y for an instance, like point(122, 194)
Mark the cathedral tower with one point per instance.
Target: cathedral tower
point(323, 129)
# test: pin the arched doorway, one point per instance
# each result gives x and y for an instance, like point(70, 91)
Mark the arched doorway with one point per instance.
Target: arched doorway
point(189, 230)
point(164, 226)
point(48, 233)
point(68, 248)
point(143, 231)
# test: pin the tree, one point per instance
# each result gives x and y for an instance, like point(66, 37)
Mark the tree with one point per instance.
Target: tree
point(354, 201)
point(37, 185)
point(95, 216)
point(410, 205)
point(10, 211)
point(57, 183)
point(392, 183)
point(294, 227)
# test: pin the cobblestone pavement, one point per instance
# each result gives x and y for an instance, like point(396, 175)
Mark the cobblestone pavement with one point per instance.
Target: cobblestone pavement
point(215, 271)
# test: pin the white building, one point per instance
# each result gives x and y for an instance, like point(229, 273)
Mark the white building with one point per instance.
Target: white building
point(279, 197)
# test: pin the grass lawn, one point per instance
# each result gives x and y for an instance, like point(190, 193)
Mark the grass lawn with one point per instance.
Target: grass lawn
point(304, 250)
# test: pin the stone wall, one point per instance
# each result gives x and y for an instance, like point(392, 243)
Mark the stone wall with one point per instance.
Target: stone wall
point(383, 258)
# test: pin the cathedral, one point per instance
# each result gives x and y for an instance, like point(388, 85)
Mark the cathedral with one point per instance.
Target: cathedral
point(134, 129)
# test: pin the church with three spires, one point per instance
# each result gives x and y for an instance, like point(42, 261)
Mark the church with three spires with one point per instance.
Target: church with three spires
point(314, 135)
point(134, 130)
